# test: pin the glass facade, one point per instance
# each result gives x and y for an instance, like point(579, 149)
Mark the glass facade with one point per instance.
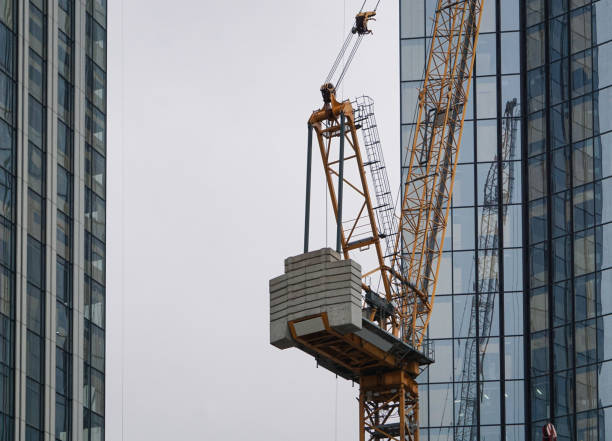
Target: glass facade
point(8, 216)
point(95, 222)
point(569, 97)
point(521, 317)
point(52, 219)
point(37, 225)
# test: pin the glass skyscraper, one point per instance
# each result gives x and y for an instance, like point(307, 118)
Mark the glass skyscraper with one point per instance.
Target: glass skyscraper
point(52, 219)
point(522, 323)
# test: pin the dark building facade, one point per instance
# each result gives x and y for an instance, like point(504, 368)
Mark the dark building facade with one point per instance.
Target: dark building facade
point(522, 323)
point(52, 219)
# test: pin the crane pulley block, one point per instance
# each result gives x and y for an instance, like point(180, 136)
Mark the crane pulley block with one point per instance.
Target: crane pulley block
point(361, 22)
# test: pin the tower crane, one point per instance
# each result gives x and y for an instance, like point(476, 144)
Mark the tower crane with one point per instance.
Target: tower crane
point(387, 355)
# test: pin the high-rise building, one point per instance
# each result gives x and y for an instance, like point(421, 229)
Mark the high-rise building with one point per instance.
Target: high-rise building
point(52, 219)
point(522, 322)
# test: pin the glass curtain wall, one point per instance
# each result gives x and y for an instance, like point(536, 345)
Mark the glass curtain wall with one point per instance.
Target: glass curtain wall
point(37, 214)
point(8, 171)
point(475, 390)
point(95, 221)
point(65, 216)
point(568, 143)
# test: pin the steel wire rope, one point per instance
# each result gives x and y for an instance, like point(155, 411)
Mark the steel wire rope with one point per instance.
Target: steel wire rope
point(336, 63)
point(123, 205)
point(349, 38)
point(349, 60)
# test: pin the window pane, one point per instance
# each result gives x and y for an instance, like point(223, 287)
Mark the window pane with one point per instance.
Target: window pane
point(97, 392)
point(97, 348)
point(64, 235)
point(64, 47)
point(412, 19)
point(35, 311)
point(490, 404)
point(36, 122)
point(558, 37)
point(442, 319)
point(580, 29)
point(35, 168)
point(64, 145)
point(37, 34)
point(36, 75)
point(413, 59)
point(535, 46)
point(485, 55)
point(603, 110)
point(486, 97)
point(33, 403)
point(99, 45)
point(62, 330)
point(35, 215)
point(35, 262)
point(64, 190)
point(586, 388)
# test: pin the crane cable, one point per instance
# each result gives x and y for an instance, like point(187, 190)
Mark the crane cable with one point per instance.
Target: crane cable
point(349, 37)
point(364, 2)
point(349, 60)
point(342, 52)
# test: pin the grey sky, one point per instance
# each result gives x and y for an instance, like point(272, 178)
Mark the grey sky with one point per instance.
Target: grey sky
point(207, 123)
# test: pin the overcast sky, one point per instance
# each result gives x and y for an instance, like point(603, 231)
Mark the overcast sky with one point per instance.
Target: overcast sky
point(208, 103)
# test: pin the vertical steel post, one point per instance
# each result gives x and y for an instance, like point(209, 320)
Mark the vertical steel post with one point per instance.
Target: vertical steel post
point(402, 413)
point(362, 415)
point(308, 175)
point(340, 185)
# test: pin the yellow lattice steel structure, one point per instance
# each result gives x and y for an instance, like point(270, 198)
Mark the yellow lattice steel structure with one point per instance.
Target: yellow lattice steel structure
point(432, 163)
point(388, 401)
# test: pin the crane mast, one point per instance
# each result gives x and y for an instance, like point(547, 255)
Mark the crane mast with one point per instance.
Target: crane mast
point(385, 351)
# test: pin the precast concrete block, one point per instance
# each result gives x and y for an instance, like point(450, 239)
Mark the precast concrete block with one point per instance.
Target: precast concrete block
point(344, 317)
point(324, 255)
point(314, 283)
point(280, 335)
point(278, 283)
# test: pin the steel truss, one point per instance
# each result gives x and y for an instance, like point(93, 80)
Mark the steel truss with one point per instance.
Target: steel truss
point(432, 163)
point(389, 407)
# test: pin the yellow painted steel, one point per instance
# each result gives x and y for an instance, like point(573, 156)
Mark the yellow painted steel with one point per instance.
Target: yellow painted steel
point(432, 163)
point(388, 402)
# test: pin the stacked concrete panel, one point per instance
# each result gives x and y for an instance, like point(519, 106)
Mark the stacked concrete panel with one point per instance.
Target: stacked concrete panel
point(314, 283)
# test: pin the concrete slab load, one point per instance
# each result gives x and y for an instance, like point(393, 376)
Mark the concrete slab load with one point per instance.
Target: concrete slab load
point(315, 282)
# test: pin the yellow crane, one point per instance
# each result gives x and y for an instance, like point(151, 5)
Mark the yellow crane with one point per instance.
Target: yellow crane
point(387, 356)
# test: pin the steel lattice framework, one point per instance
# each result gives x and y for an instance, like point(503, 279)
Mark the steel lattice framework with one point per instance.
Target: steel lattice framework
point(432, 163)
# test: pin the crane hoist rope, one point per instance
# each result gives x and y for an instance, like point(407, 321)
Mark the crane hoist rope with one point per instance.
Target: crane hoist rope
point(359, 29)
